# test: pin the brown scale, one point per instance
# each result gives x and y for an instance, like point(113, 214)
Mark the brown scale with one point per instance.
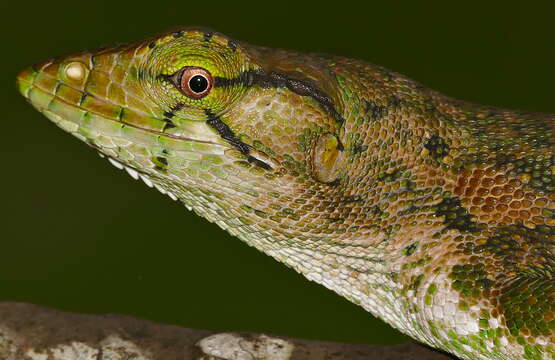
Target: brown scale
point(496, 199)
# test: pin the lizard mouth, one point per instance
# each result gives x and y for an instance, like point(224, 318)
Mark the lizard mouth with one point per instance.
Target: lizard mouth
point(70, 104)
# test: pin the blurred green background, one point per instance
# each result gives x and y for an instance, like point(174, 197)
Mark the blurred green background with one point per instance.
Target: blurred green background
point(79, 235)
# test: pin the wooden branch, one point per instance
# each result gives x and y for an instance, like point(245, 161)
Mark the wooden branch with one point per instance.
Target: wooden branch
point(29, 332)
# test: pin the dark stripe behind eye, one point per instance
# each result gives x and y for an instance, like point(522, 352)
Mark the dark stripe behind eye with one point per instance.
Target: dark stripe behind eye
point(277, 80)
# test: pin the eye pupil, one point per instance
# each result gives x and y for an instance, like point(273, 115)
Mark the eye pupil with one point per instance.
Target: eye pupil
point(198, 84)
point(193, 82)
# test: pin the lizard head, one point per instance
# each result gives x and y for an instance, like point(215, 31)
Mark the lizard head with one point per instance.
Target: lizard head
point(246, 136)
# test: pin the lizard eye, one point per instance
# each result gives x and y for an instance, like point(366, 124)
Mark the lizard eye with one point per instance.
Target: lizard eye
point(195, 82)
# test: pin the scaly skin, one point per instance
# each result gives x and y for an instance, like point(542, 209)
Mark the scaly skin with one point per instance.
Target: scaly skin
point(433, 214)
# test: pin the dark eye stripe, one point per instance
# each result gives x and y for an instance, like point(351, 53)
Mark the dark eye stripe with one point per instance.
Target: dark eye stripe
point(277, 80)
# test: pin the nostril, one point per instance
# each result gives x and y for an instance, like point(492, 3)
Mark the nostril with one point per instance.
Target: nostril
point(75, 71)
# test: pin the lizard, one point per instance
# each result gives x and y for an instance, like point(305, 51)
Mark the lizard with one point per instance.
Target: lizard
point(434, 214)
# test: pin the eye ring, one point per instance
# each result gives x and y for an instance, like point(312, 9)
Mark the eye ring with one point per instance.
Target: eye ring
point(195, 82)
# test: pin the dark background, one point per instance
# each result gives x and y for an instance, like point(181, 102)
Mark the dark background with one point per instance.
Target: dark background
point(79, 235)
